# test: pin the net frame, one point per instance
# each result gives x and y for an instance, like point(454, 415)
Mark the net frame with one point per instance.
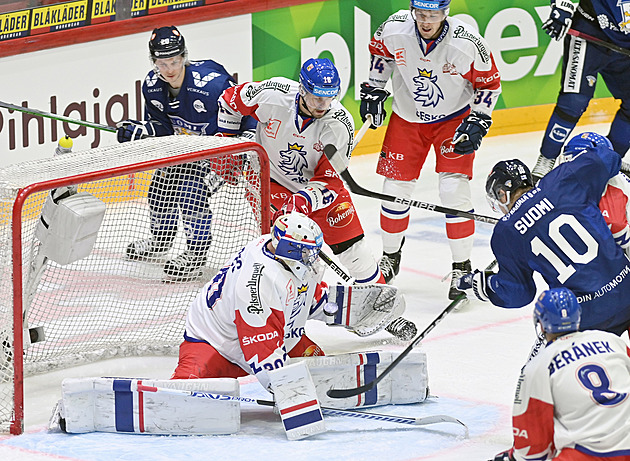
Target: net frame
point(101, 163)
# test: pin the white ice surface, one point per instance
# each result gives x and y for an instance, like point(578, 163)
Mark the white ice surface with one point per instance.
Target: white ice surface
point(474, 357)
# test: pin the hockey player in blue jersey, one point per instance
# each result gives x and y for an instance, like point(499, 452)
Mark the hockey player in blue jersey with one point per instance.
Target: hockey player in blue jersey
point(606, 20)
point(180, 98)
point(557, 230)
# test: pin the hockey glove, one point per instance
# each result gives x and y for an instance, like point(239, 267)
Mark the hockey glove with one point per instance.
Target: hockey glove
point(131, 130)
point(477, 283)
point(373, 102)
point(560, 19)
point(470, 132)
point(503, 456)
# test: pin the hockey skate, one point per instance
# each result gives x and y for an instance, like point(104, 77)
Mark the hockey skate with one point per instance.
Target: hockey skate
point(146, 249)
point(459, 269)
point(403, 329)
point(390, 264)
point(187, 266)
point(543, 166)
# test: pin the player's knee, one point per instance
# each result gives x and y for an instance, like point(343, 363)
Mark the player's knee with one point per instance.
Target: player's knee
point(570, 106)
point(454, 191)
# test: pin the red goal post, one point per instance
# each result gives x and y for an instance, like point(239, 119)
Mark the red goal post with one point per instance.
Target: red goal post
point(105, 305)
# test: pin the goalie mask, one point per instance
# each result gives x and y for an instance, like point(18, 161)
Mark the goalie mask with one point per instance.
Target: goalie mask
point(297, 240)
point(506, 177)
point(557, 310)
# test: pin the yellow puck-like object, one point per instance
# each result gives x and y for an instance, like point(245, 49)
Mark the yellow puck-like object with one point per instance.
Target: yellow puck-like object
point(66, 142)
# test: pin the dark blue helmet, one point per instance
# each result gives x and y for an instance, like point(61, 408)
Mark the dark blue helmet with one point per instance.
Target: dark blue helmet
point(558, 311)
point(506, 177)
point(166, 42)
point(320, 77)
point(584, 141)
point(430, 4)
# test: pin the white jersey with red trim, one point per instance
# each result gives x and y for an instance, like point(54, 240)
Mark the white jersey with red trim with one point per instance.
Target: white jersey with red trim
point(574, 394)
point(295, 144)
point(254, 310)
point(615, 207)
point(434, 80)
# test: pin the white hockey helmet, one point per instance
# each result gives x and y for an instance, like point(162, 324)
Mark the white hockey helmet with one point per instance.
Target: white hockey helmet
point(297, 240)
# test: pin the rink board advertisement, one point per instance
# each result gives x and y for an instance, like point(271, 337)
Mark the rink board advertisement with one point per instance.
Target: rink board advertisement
point(100, 81)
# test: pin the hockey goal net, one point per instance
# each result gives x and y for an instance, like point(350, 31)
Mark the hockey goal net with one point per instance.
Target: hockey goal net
point(60, 311)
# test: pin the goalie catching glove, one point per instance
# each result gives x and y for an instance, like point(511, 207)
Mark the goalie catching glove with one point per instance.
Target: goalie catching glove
point(364, 309)
point(477, 283)
point(132, 130)
point(373, 102)
point(470, 132)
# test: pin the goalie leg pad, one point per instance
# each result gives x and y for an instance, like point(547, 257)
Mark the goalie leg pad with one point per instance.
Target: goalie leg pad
point(296, 399)
point(68, 228)
point(115, 405)
point(365, 309)
point(408, 382)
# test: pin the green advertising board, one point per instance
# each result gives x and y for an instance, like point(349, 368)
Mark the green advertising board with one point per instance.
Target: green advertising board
point(529, 61)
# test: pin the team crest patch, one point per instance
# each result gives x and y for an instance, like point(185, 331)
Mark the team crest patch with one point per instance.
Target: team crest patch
point(151, 80)
point(427, 92)
point(293, 161)
point(341, 215)
point(202, 80)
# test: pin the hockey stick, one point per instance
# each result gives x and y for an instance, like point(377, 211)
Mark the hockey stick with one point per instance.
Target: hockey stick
point(62, 118)
point(597, 41)
point(325, 410)
point(345, 393)
point(337, 164)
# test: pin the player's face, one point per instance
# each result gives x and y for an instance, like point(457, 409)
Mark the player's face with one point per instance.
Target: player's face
point(171, 70)
point(316, 106)
point(429, 22)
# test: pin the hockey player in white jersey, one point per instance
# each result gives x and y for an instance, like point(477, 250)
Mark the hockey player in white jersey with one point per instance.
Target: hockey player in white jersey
point(251, 316)
point(445, 85)
point(295, 122)
point(572, 399)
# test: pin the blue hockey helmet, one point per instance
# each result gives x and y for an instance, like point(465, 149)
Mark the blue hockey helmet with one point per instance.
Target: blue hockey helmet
point(506, 177)
point(558, 311)
point(587, 140)
point(320, 78)
point(298, 241)
point(166, 42)
point(430, 4)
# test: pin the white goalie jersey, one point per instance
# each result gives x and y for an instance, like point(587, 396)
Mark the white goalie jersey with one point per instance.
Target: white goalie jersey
point(295, 145)
point(257, 314)
point(436, 81)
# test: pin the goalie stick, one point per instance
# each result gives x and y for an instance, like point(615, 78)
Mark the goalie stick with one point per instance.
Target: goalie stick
point(345, 393)
point(331, 153)
point(62, 118)
point(325, 410)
